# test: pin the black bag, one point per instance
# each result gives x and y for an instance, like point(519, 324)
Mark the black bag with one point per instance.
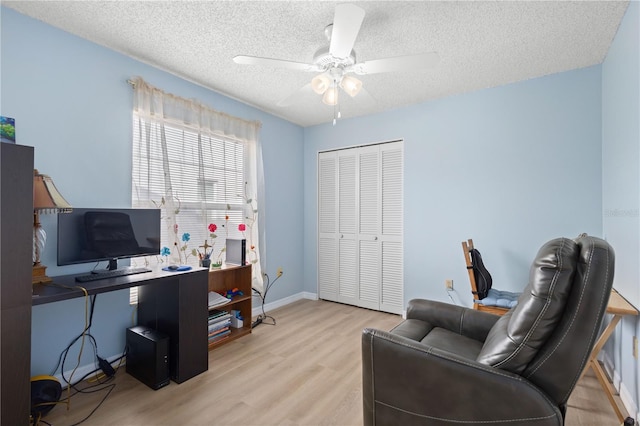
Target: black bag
point(481, 275)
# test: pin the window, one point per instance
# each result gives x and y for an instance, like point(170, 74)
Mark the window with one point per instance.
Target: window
point(204, 176)
point(200, 167)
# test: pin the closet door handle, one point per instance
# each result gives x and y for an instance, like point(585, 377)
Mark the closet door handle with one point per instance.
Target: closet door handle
point(375, 238)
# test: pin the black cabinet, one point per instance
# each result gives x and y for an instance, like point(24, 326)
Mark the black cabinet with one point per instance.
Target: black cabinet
point(16, 261)
point(174, 303)
point(178, 307)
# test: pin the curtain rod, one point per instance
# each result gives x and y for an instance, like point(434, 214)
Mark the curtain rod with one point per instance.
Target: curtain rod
point(132, 83)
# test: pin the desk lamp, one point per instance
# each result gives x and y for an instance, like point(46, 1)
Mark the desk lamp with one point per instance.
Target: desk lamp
point(46, 199)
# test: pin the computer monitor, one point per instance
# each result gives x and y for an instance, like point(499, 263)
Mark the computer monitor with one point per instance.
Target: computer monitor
point(92, 235)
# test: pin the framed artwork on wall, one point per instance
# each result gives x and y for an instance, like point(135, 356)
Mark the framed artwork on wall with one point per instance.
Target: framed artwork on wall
point(7, 129)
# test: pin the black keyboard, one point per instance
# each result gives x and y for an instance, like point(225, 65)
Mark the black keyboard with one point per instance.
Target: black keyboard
point(111, 274)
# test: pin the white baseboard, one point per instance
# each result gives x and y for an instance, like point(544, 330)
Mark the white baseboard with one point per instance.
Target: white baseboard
point(618, 384)
point(282, 302)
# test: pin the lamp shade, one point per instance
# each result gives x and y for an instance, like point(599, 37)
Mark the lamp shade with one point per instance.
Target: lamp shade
point(351, 85)
point(331, 96)
point(46, 197)
point(320, 83)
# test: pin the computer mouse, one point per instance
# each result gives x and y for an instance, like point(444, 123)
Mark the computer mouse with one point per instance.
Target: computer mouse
point(173, 267)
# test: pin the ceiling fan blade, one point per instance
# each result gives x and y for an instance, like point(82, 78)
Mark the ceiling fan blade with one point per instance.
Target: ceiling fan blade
point(399, 63)
point(279, 63)
point(346, 25)
point(296, 96)
point(365, 99)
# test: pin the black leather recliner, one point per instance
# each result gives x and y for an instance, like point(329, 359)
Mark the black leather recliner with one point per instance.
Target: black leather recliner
point(447, 364)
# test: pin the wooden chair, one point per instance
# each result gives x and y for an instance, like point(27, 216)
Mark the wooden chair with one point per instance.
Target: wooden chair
point(467, 247)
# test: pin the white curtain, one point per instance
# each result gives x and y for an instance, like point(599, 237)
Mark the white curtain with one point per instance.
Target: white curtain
point(166, 127)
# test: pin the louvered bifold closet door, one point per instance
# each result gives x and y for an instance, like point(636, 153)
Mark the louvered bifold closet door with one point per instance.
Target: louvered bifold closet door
point(360, 258)
point(369, 227)
point(327, 226)
point(347, 217)
point(391, 290)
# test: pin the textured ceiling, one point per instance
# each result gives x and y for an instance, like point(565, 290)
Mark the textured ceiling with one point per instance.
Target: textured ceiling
point(481, 44)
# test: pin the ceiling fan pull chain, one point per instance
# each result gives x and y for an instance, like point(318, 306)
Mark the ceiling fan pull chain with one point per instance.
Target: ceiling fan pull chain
point(336, 106)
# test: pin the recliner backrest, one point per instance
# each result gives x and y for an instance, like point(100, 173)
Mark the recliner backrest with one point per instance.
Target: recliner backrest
point(518, 335)
point(547, 338)
point(559, 363)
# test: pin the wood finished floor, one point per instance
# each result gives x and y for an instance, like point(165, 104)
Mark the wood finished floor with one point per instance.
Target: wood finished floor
point(306, 370)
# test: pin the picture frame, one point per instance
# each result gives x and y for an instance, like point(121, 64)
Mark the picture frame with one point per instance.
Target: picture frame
point(7, 129)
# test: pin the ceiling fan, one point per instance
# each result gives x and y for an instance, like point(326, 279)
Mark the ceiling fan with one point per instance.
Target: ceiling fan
point(337, 61)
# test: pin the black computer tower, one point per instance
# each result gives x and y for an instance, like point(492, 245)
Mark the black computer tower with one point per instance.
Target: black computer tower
point(148, 356)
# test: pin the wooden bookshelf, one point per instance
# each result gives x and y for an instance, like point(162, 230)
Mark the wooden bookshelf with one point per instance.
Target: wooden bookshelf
point(228, 278)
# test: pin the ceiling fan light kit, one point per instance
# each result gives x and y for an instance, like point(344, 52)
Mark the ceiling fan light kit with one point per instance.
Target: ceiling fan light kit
point(338, 60)
point(323, 83)
point(331, 96)
point(320, 83)
point(351, 85)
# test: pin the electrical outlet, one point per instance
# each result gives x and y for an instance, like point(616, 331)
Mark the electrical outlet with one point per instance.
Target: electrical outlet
point(635, 347)
point(279, 272)
point(448, 284)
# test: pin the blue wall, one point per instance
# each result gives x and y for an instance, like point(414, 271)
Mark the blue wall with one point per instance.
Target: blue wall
point(510, 167)
point(72, 103)
point(621, 186)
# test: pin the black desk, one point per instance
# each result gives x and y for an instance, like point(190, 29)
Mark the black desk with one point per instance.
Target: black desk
point(172, 302)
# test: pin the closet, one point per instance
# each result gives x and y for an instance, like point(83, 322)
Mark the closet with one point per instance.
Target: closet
point(360, 226)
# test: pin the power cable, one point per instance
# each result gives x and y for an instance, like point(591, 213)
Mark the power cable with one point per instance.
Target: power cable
point(263, 317)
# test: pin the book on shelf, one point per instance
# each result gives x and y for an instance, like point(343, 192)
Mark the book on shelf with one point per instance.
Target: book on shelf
point(223, 330)
point(219, 336)
point(219, 339)
point(213, 320)
point(219, 325)
point(215, 313)
point(216, 299)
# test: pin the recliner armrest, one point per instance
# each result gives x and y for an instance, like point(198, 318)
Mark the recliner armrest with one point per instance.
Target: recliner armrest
point(406, 382)
point(465, 321)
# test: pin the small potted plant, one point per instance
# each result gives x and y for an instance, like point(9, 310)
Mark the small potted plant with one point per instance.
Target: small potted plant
point(218, 263)
point(207, 250)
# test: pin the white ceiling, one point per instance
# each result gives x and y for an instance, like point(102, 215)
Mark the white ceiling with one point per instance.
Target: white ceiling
point(481, 44)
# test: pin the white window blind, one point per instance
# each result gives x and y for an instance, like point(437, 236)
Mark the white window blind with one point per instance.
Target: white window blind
point(211, 192)
point(202, 167)
point(202, 175)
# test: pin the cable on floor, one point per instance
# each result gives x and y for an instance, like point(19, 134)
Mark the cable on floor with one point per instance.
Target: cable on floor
point(263, 318)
